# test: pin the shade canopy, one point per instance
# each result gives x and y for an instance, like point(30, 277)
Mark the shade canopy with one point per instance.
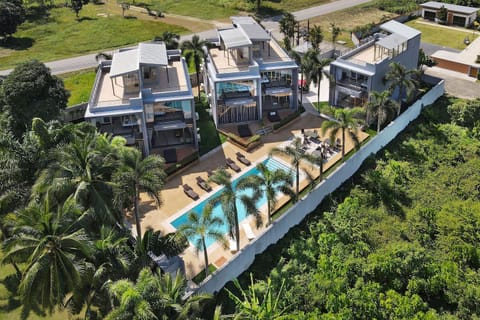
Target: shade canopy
point(234, 38)
point(392, 41)
point(123, 62)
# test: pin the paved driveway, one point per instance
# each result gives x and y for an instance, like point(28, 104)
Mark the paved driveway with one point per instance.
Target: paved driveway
point(430, 48)
point(457, 84)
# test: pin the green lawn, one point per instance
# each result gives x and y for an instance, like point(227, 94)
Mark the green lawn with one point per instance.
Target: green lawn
point(210, 137)
point(79, 84)
point(442, 36)
point(58, 34)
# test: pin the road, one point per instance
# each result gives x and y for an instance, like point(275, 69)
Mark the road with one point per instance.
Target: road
point(88, 61)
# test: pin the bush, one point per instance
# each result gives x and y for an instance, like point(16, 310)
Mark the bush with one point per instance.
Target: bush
point(181, 164)
point(397, 6)
point(250, 144)
point(442, 14)
point(465, 112)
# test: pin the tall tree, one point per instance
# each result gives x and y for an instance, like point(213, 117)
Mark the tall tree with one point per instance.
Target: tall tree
point(53, 249)
point(202, 227)
point(345, 121)
point(269, 182)
point(380, 105)
point(228, 198)
point(193, 51)
point(335, 33)
point(316, 36)
point(12, 14)
point(134, 175)
point(154, 297)
point(297, 155)
point(30, 91)
point(314, 69)
point(287, 25)
point(398, 77)
point(170, 39)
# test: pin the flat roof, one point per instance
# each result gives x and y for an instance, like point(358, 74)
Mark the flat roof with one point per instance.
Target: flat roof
point(449, 7)
point(468, 56)
point(251, 28)
point(128, 61)
point(393, 26)
point(234, 38)
point(392, 41)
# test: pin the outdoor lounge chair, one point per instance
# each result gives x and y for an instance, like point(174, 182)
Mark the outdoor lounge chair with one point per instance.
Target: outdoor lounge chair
point(232, 165)
point(243, 159)
point(203, 184)
point(233, 245)
point(248, 231)
point(189, 192)
point(273, 116)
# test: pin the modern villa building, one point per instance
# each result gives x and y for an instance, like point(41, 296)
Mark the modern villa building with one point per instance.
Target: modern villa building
point(462, 16)
point(362, 70)
point(144, 94)
point(247, 73)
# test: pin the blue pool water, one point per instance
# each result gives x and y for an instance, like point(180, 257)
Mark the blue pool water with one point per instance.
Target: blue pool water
point(271, 164)
point(232, 87)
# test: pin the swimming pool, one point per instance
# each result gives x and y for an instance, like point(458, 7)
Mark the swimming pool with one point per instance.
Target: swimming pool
point(232, 87)
point(271, 163)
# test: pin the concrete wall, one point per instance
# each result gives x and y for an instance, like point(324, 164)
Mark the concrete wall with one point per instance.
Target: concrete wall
point(245, 257)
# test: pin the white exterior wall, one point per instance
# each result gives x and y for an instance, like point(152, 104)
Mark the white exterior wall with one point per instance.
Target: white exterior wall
point(277, 230)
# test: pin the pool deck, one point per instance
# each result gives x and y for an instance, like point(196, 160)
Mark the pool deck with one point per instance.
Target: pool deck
point(175, 202)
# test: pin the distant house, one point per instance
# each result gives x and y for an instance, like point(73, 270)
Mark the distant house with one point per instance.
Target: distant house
point(355, 74)
point(247, 73)
point(144, 94)
point(456, 15)
point(466, 61)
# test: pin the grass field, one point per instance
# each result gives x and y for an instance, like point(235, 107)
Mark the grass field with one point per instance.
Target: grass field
point(79, 84)
point(348, 19)
point(443, 36)
point(57, 34)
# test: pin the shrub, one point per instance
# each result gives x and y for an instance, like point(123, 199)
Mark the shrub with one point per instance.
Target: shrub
point(250, 144)
point(181, 164)
point(442, 14)
point(465, 112)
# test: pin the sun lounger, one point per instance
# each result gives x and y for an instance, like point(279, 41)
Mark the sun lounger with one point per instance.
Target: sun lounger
point(233, 245)
point(232, 165)
point(189, 192)
point(203, 184)
point(242, 159)
point(248, 231)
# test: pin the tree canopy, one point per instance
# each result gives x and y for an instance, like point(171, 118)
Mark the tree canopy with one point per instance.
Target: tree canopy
point(12, 14)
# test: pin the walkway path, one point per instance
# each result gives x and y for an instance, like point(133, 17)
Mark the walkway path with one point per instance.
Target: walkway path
point(88, 61)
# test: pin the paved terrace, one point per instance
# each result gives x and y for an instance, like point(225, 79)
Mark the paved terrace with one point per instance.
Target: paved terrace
point(111, 91)
point(176, 202)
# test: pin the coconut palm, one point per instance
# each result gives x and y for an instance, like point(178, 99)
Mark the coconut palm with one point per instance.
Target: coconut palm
point(135, 175)
point(170, 39)
point(83, 169)
point(228, 198)
point(287, 25)
point(316, 36)
point(154, 297)
point(316, 72)
point(269, 182)
point(297, 155)
point(193, 51)
point(335, 33)
point(380, 105)
point(345, 121)
point(53, 249)
point(398, 77)
point(202, 227)
point(300, 63)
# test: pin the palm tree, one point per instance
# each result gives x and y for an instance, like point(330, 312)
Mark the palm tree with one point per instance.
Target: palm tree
point(287, 25)
point(83, 169)
point(170, 39)
point(135, 175)
point(379, 106)
point(270, 183)
point(399, 77)
point(194, 52)
point(299, 61)
point(317, 73)
point(346, 121)
point(295, 153)
point(335, 33)
point(202, 227)
point(154, 297)
point(251, 306)
point(53, 249)
point(228, 200)
point(316, 36)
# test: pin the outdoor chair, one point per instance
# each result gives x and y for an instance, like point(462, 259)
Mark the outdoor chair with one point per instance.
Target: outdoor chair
point(189, 192)
point(248, 231)
point(232, 165)
point(243, 159)
point(203, 184)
